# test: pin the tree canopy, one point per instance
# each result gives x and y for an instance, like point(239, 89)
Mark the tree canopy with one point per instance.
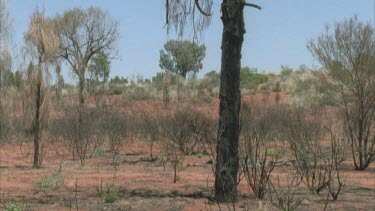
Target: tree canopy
point(99, 68)
point(84, 34)
point(182, 57)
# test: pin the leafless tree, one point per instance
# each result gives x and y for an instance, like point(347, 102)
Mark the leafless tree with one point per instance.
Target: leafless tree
point(259, 153)
point(179, 131)
point(348, 56)
point(42, 45)
point(80, 139)
point(172, 153)
point(304, 136)
point(285, 196)
point(116, 129)
point(149, 127)
point(337, 156)
point(5, 65)
point(5, 98)
point(84, 34)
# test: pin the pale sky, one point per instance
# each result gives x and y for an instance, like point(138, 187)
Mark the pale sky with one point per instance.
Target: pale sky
point(276, 35)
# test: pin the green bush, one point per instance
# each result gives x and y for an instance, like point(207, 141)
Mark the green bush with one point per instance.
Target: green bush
point(98, 152)
point(54, 179)
point(14, 206)
point(111, 194)
point(303, 86)
point(278, 152)
point(115, 91)
point(118, 80)
point(285, 72)
point(138, 93)
point(250, 78)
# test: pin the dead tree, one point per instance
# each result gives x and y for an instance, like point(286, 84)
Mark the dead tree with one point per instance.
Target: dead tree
point(42, 45)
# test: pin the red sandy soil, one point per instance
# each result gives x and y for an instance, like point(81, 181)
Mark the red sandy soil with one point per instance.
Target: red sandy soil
point(145, 185)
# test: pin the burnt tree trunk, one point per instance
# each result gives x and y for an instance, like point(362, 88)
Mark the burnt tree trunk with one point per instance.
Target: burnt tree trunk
point(166, 89)
point(178, 91)
point(37, 126)
point(80, 114)
point(227, 162)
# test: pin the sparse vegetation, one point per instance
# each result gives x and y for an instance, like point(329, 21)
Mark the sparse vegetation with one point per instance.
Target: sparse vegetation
point(14, 206)
point(304, 140)
point(235, 138)
point(348, 56)
point(285, 196)
point(110, 195)
point(55, 179)
point(259, 159)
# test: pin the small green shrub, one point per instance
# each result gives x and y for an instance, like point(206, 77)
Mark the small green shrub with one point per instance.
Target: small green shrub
point(343, 183)
point(303, 86)
point(138, 93)
point(98, 152)
point(54, 179)
point(278, 152)
point(285, 72)
point(14, 206)
point(115, 91)
point(250, 78)
point(111, 194)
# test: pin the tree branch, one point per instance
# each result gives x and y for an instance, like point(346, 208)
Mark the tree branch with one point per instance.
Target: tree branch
point(253, 5)
point(200, 8)
point(166, 13)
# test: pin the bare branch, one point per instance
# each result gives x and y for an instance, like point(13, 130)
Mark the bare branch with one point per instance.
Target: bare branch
point(253, 5)
point(200, 8)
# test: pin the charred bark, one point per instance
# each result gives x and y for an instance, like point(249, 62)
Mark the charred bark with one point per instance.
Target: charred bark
point(37, 126)
point(230, 100)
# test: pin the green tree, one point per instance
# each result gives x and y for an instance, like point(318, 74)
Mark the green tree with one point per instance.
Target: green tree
point(118, 80)
point(9, 79)
point(5, 66)
point(98, 72)
point(182, 57)
point(5, 28)
point(213, 78)
point(18, 79)
point(348, 56)
point(99, 68)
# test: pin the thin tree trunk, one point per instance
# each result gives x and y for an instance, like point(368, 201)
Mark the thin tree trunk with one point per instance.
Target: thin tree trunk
point(36, 163)
point(80, 115)
point(175, 173)
point(166, 89)
point(230, 97)
point(178, 91)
